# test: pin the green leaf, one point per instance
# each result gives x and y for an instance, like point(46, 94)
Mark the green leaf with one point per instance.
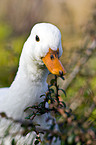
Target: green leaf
point(63, 92)
point(51, 90)
point(37, 137)
point(42, 104)
point(28, 117)
point(62, 142)
point(49, 86)
point(52, 81)
point(27, 108)
point(42, 95)
point(63, 104)
point(62, 77)
point(13, 142)
point(36, 142)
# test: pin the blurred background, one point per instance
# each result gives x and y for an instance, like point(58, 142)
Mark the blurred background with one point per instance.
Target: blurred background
point(77, 23)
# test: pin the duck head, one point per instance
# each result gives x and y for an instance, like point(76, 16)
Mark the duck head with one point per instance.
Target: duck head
point(44, 47)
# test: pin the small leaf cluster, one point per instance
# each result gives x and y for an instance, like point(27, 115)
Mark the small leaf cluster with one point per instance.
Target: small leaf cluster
point(70, 129)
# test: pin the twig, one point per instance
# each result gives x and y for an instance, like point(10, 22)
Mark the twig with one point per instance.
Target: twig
point(79, 65)
point(27, 125)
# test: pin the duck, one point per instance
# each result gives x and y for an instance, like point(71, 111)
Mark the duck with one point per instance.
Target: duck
point(40, 55)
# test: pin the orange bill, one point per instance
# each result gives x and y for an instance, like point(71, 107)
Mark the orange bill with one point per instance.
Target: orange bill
point(52, 62)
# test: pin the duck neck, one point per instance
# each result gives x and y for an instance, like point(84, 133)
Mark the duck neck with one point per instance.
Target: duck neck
point(32, 72)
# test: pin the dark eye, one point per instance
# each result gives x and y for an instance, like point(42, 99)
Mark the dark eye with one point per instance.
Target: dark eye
point(57, 53)
point(37, 38)
point(52, 57)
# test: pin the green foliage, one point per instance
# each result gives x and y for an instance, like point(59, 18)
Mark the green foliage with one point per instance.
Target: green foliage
point(5, 31)
point(13, 142)
point(10, 48)
point(71, 130)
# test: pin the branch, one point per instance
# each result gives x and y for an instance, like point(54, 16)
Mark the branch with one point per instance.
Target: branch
point(89, 52)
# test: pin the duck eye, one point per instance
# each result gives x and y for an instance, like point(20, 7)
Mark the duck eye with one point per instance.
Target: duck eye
point(37, 38)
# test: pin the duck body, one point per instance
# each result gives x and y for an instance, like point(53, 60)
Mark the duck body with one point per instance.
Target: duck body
point(30, 81)
point(22, 93)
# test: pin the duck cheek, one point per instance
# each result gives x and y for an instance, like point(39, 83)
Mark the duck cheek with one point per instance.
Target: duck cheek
point(53, 64)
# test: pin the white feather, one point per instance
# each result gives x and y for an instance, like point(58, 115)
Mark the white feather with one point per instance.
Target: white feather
point(30, 81)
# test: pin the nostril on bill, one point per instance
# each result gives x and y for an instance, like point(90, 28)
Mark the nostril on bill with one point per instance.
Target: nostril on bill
point(61, 73)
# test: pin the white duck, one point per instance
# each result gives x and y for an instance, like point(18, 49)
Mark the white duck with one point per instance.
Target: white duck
point(40, 53)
